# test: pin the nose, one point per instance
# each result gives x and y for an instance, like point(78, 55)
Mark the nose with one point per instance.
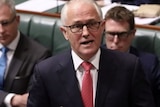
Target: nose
point(115, 39)
point(1, 28)
point(85, 32)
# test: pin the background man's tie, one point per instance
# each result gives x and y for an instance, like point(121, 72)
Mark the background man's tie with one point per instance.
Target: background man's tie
point(87, 85)
point(3, 64)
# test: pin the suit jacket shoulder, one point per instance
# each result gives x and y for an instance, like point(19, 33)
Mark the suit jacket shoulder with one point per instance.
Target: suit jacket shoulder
point(149, 62)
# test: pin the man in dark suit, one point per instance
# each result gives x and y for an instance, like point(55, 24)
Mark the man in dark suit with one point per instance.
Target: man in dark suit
point(115, 79)
point(119, 33)
point(23, 53)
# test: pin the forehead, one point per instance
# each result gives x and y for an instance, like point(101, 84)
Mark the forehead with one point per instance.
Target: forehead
point(116, 25)
point(5, 11)
point(82, 12)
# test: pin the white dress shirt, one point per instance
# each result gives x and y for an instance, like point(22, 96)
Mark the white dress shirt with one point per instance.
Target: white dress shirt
point(94, 71)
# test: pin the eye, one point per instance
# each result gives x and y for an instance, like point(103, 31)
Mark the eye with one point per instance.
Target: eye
point(123, 34)
point(112, 33)
point(92, 24)
point(4, 23)
point(77, 26)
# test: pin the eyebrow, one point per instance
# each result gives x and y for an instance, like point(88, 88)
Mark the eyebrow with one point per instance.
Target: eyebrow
point(116, 31)
point(80, 22)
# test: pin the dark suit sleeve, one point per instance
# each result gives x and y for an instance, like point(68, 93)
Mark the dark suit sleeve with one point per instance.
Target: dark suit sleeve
point(39, 98)
point(141, 91)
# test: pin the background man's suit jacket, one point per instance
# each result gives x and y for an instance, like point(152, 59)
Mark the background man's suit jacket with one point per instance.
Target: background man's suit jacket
point(27, 54)
point(121, 82)
point(150, 65)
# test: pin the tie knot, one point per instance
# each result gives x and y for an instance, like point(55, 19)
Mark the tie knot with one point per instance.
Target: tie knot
point(86, 65)
point(4, 50)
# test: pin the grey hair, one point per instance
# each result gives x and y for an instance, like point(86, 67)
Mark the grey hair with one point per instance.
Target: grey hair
point(66, 7)
point(10, 3)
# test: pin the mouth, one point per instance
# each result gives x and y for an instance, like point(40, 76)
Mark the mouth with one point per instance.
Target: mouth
point(116, 48)
point(1, 37)
point(86, 42)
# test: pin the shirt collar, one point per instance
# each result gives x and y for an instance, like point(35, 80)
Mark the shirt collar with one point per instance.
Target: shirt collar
point(94, 60)
point(14, 43)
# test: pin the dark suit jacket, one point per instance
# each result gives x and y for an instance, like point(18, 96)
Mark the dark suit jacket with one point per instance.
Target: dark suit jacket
point(27, 54)
point(150, 65)
point(121, 82)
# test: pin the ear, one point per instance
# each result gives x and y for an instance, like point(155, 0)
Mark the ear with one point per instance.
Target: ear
point(134, 33)
point(103, 25)
point(64, 31)
point(18, 19)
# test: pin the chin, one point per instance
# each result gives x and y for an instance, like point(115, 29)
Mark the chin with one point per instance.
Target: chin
point(113, 48)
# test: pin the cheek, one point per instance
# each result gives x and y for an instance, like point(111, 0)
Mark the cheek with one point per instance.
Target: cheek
point(73, 39)
point(108, 43)
point(68, 36)
point(125, 45)
point(12, 32)
point(13, 28)
point(97, 36)
point(108, 40)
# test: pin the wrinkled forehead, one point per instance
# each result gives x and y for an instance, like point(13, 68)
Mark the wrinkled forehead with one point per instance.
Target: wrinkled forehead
point(109, 23)
point(5, 10)
point(82, 11)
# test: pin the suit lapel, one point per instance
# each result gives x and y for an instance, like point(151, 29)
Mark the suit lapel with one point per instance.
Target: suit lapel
point(105, 77)
point(16, 63)
point(69, 79)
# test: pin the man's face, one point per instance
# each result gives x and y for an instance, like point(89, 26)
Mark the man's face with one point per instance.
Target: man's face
point(85, 41)
point(8, 25)
point(118, 36)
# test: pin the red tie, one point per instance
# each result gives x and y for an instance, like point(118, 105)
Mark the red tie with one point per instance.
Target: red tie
point(87, 85)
